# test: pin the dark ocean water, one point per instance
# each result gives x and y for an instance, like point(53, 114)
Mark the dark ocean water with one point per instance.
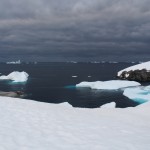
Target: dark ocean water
point(53, 83)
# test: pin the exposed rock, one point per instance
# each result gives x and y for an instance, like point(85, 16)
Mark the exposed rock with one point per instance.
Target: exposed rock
point(18, 94)
point(136, 75)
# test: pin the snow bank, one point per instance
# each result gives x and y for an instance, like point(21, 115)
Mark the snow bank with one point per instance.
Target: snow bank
point(108, 85)
point(16, 76)
point(31, 125)
point(109, 105)
point(141, 66)
point(138, 94)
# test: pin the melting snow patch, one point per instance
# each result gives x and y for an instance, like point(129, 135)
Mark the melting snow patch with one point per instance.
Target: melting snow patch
point(108, 85)
point(16, 76)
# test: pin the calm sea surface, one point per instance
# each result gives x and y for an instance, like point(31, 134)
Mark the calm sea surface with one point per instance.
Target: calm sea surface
point(55, 83)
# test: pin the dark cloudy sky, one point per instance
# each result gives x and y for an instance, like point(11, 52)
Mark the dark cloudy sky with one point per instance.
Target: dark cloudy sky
point(83, 30)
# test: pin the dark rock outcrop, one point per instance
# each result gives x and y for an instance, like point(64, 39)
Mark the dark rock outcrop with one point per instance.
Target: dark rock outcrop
point(136, 75)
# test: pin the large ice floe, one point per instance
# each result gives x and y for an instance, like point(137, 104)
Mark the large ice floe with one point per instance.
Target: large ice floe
point(16, 76)
point(31, 125)
point(141, 66)
point(138, 94)
point(108, 85)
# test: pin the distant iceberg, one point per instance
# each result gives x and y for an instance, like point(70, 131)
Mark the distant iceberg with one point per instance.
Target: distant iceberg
point(138, 94)
point(108, 85)
point(16, 76)
point(109, 105)
point(14, 62)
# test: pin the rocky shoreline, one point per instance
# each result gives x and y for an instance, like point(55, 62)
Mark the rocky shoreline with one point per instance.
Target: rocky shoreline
point(135, 75)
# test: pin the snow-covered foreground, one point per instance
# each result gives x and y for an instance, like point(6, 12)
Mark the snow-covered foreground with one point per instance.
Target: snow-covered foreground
point(16, 76)
point(108, 85)
point(141, 66)
point(31, 125)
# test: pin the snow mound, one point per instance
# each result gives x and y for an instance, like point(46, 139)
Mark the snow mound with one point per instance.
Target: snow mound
point(31, 125)
point(141, 66)
point(109, 105)
point(16, 76)
point(108, 85)
point(138, 94)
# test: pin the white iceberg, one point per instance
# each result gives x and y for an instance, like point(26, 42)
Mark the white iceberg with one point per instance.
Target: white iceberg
point(109, 105)
point(16, 76)
point(31, 125)
point(138, 94)
point(108, 85)
point(141, 66)
point(74, 76)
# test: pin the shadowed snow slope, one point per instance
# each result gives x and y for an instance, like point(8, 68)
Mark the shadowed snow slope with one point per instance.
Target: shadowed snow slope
point(31, 125)
point(138, 94)
point(145, 65)
point(16, 76)
point(108, 85)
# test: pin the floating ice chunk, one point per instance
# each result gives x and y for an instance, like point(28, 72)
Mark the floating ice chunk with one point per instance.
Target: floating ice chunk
point(108, 85)
point(141, 66)
point(109, 105)
point(74, 76)
point(138, 94)
point(16, 76)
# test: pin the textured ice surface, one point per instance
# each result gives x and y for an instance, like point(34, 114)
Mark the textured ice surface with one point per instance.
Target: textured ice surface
point(108, 85)
point(31, 125)
point(16, 76)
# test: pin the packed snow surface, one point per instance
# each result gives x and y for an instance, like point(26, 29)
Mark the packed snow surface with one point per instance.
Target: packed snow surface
point(138, 94)
point(16, 76)
point(108, 85)
point(141, 66)
point(31, 125)
point(109, 105)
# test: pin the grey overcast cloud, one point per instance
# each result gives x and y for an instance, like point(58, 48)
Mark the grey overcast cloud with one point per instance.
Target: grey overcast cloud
point(79, 30)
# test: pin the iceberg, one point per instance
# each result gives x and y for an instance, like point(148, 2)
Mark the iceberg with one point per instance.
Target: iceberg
point(138, 94)
point(109, 105)
point(108, 85)
point(16, 76)
point(30, 125)
point(141, 66)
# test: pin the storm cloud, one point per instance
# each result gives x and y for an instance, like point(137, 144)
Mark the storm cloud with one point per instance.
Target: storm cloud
point(84, 30)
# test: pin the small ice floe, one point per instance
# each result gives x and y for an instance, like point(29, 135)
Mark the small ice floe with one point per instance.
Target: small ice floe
point(89, 76)
point(109, 105)
point(138, 94)
point(16, 76)
point(108, 85)
point(74, 76)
